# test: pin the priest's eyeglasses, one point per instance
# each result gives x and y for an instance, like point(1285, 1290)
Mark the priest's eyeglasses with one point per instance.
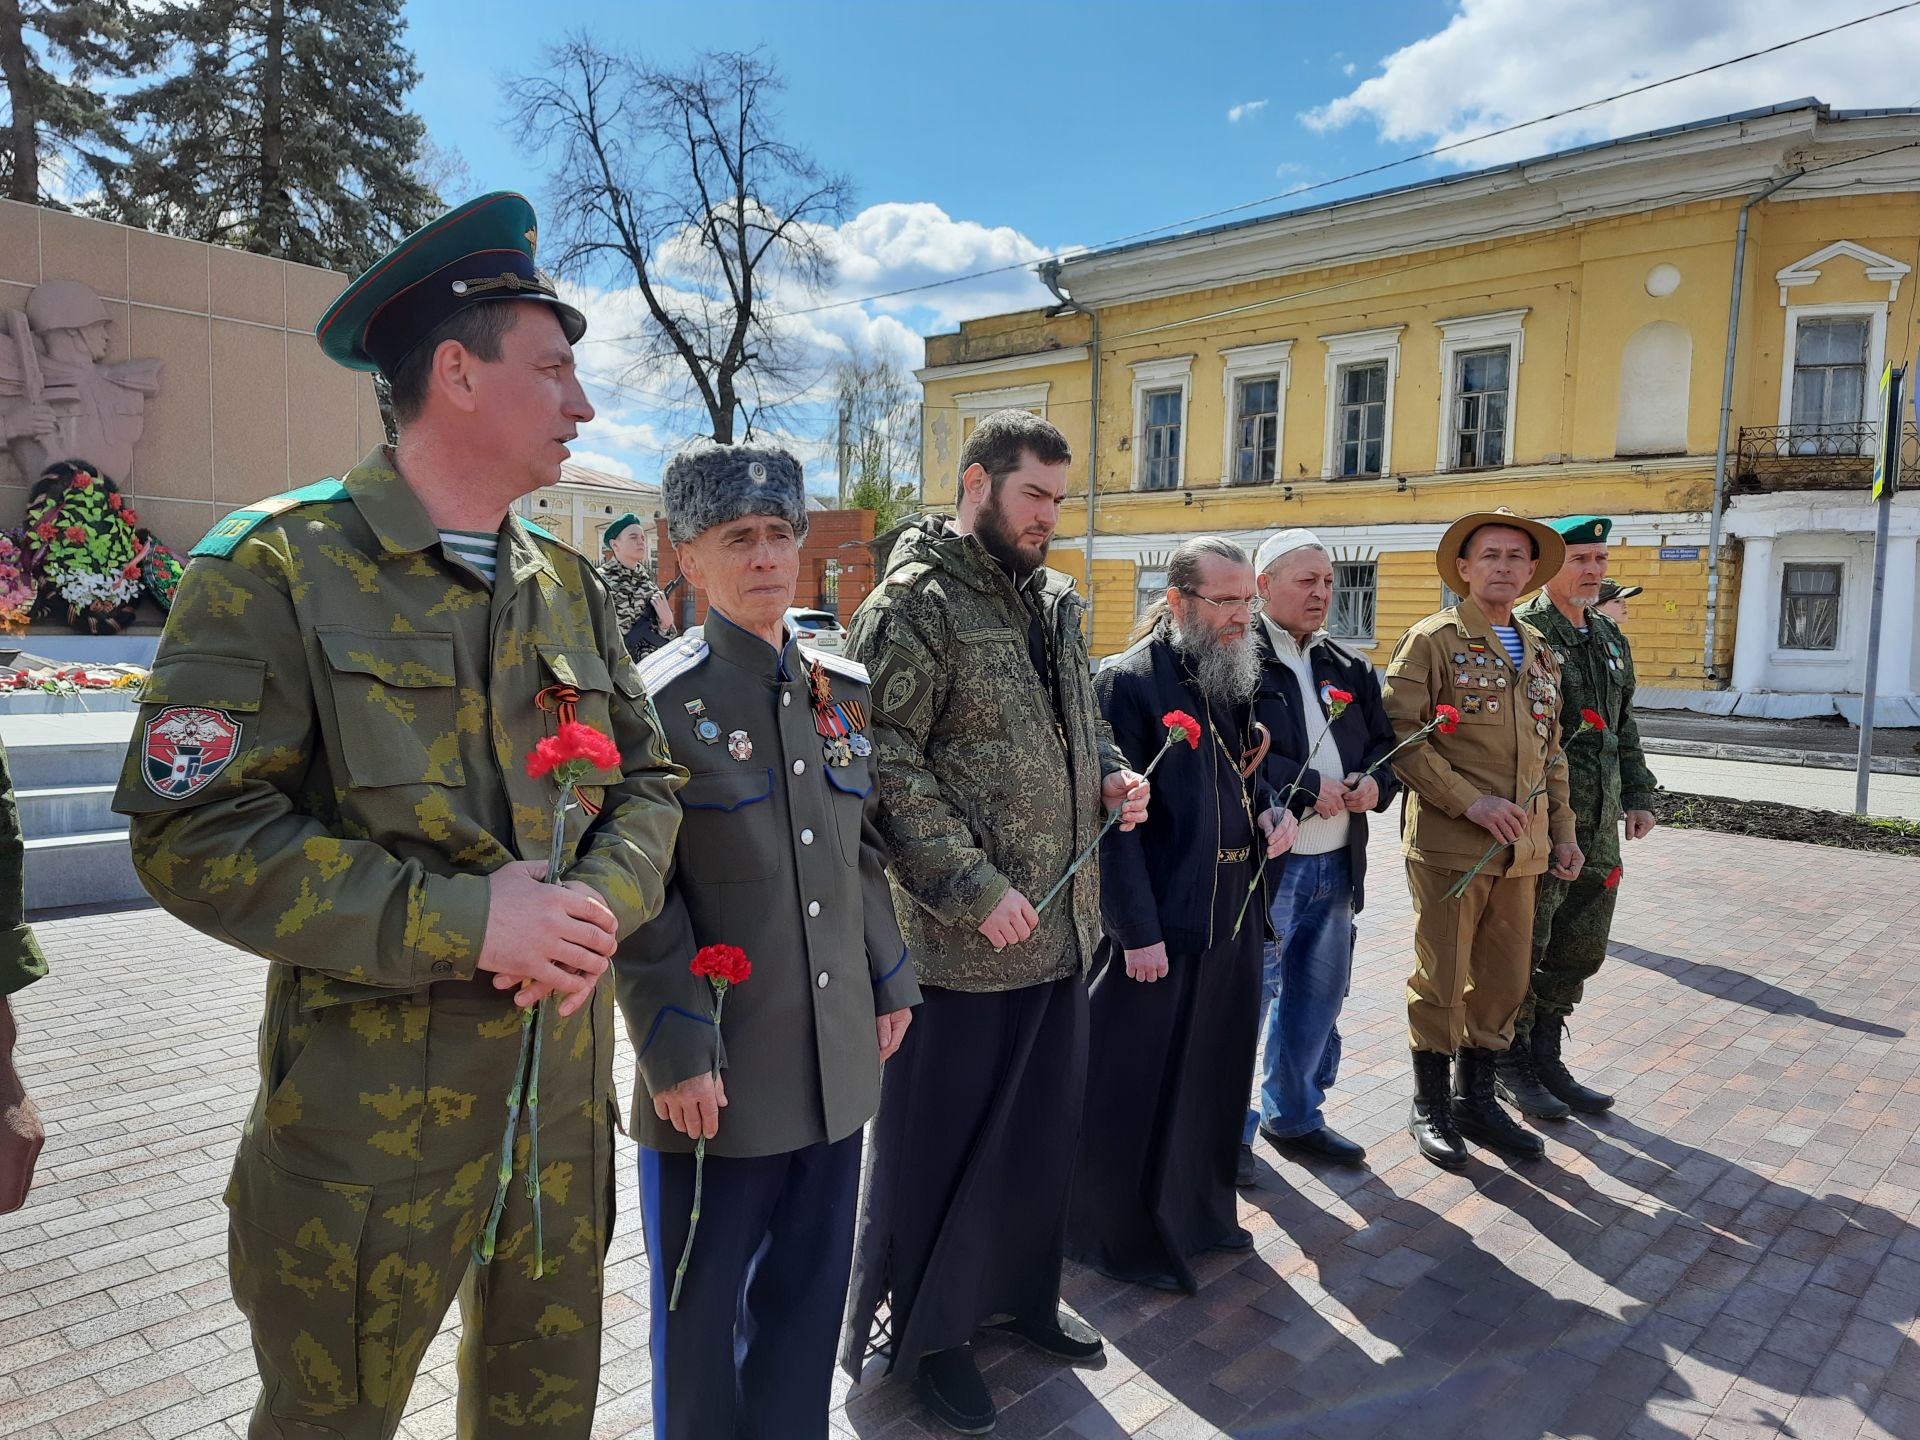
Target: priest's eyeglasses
point(1252, 603)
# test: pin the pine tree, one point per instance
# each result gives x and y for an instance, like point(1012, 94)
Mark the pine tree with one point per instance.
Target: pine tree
point(283, 130)
point(59, 130)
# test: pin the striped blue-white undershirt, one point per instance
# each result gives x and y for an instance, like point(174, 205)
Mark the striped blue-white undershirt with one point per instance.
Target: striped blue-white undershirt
point(1509, 637)
point(477, 547)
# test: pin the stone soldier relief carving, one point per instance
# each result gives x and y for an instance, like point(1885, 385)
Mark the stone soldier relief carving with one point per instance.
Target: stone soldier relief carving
point(60, 397)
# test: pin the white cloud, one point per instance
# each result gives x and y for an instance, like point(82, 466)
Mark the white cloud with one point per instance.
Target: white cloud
point(1237, 113)
point(1348, 68)
point(1496, 62)
point(606, 464)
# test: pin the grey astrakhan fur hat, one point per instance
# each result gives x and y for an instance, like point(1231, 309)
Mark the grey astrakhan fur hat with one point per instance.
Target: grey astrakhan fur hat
point(711, 484)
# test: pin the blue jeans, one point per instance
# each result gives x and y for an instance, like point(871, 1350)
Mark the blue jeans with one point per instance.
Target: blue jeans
point(1307, 971)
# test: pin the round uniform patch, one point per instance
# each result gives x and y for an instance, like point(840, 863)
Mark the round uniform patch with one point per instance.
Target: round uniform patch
point(184, 747)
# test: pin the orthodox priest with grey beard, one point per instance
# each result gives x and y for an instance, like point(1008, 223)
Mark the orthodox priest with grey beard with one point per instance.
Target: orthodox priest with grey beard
point(1174, 1002)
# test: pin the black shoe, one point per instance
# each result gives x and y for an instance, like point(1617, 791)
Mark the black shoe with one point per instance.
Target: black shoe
point(1321, 1144)
point(948, 1383)
point(1478, 1112)
point(1430, 1120)
point(1067, 1336)
point(1238, 1238)
point(1547, 1034)
point(1515, 1080)
point(1245, 1172)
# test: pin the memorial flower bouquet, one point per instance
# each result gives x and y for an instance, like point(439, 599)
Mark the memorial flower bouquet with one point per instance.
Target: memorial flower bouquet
point(722, 967)
point(570, 755)
point(17, 588)
point(1179, 726)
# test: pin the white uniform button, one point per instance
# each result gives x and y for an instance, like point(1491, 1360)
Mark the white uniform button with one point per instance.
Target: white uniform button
point(799, 767)
point(813, 907)
point(822, 981)
point(806, 837)
point(786, 697)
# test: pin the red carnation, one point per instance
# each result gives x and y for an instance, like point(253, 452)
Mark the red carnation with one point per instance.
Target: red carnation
point(721, 964)
point(129, 517)
point(83, 481)
point(1344, 697)
point(114, 502)
point(44, 530)
point(74, 535)
point(1446, 719)
point(1185, 723)
point(1612, 882)
point(1592, 720)
point(574, 743)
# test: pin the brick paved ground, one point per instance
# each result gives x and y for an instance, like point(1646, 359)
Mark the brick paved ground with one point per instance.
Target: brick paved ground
point(1735, 1253)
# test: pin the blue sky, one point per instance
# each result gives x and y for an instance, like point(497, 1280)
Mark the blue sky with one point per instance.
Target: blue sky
point(981, 133)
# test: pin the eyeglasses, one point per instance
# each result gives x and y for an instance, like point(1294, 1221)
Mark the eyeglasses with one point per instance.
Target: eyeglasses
point(1253, 603)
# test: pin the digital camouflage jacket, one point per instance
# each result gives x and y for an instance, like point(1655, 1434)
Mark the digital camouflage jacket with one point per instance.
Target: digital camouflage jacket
point(1607, 772)
point(981, 788)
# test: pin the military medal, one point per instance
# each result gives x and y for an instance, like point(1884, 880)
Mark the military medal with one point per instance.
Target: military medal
point(1493, 706)
point(740, 745)
point(861, 745)
point(838, 721)
point(1470, 703)
point(704, 730)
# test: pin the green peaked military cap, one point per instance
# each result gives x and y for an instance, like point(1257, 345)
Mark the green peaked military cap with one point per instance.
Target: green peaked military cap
point(476, 252)
point(1584, 529)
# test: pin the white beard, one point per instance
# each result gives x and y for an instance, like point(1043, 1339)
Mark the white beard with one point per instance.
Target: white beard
point(1223, 671)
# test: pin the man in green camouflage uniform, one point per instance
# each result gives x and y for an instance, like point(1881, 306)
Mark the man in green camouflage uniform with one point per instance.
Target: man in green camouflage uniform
point(1610, 786)
point(21, 963)
point(329, 771)
point(640, 606)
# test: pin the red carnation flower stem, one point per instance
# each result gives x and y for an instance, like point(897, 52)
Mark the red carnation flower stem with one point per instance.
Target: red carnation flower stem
point(1459, 887)
point(1180, 726)
point(722, 966)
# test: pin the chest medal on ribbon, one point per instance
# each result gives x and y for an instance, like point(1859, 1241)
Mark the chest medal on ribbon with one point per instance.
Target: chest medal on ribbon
point(840, 723)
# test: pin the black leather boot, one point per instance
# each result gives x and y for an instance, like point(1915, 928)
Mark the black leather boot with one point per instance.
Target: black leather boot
point(1430, 1121)
point(1514, 1079)
point(1478, 1113)
point(1547, 1035)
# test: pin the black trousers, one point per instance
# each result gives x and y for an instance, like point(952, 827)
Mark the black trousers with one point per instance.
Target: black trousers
point(748, 1355)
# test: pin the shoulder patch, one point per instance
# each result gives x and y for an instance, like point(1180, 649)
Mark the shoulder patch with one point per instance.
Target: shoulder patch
point(902, 690)
point(908, 575)
point(671, 662)
point(837, 664)
point(228, 533)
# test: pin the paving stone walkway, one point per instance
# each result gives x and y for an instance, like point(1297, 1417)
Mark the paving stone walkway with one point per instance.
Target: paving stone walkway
point(1734, 1253)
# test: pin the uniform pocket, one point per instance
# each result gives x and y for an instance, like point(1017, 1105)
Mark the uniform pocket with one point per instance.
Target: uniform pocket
point(395, 704)
point(294, 1257)
point(728, 833)
point(584, 672)
point(851, 784)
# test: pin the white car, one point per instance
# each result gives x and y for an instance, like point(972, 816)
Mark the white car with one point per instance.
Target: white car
point(818, 629)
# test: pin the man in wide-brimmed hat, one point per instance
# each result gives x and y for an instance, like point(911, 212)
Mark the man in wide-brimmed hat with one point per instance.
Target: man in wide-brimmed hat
point(1496, 782)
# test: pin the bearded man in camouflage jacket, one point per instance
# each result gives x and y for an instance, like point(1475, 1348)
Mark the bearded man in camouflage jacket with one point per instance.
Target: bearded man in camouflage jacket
point(996, 770)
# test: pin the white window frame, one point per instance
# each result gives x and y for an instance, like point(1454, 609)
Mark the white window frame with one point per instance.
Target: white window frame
point(1835, 651)
point(982, 403)
point(1254, 362)
point(1141, 574)
point(1170, 372)
point(1478, 332)
point(1876, 317)
point(1371, 638)
point(1358, 347)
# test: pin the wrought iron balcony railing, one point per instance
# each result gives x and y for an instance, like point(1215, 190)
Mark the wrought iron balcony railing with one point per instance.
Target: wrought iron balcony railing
point(1817, 457)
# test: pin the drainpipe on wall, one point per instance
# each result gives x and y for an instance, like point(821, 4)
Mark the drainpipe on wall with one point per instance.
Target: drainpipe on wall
point(1049, 272)
point(1726, 418)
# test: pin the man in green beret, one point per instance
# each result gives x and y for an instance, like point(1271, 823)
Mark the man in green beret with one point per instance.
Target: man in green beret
point(1610, 786)
point(330, 771)
point(639, 605)
point(21, 963)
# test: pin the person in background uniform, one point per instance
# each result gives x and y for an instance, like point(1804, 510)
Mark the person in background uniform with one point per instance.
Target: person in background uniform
point(1467, 792)
point(996, 770)
point(1609, 786)
point(1613, 599)
point(21, 963)
point(777, 855)
point(329, 771)
point(640, 607)
point(1318, 886)
point(1172, 1007)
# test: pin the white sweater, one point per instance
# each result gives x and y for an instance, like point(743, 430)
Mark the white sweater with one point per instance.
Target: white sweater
point(1318, 834)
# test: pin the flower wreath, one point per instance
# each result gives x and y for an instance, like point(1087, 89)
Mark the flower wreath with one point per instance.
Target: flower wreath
point(80, 544)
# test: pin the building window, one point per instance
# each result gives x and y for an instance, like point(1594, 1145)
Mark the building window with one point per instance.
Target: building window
point(830, 586)
point(1350, 617)
point(1810, 607)
point(1363, 419)
point(1256, 413)
point(1148, 587)
point(1160, 441)
point(1829, 385)
point(1479, 408)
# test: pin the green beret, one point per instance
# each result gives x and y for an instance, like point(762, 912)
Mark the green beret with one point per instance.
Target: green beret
point(617, 526)
point(476, 252)
point(1584, 529)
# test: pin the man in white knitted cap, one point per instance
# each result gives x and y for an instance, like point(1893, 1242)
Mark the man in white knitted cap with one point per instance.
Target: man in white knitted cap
point(1314, 891)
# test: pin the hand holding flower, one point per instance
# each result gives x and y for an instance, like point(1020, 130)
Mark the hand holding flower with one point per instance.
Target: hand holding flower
point(1128, 793)
point(1281, 829)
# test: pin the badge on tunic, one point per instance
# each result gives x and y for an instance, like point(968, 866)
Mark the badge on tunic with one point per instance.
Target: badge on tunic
point(1470, 703)
point(1459, 659)
point(1542, 728)
point(740, 745)
point(838, 752)
point(1463, 678)
point(1493, 706)
point(861, 745)
point(706, 732)
point(184, 747)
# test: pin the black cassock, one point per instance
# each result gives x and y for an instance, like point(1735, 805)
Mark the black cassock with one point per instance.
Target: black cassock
point(1168, 1062)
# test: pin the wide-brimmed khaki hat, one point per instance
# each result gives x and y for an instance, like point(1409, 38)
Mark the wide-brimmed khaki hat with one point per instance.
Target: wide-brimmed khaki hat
point(1553, 550)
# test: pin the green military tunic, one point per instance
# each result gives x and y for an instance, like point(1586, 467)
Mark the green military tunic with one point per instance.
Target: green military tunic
point(21, 962)
point(778, 855)
point(329, 760)
point(1607, 775)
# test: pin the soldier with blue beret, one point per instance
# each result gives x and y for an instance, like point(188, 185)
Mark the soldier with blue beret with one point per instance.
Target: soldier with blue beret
point(1610, 789)
point(778, 856)
point(329, 771)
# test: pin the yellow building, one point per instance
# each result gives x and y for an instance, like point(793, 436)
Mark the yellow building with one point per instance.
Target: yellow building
point(1550, 336)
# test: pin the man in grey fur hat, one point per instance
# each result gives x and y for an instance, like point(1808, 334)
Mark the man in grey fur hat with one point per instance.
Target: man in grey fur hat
point(778, 856)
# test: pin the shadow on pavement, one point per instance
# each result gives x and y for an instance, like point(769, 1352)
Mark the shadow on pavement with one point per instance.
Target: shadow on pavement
point(1743, 989)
